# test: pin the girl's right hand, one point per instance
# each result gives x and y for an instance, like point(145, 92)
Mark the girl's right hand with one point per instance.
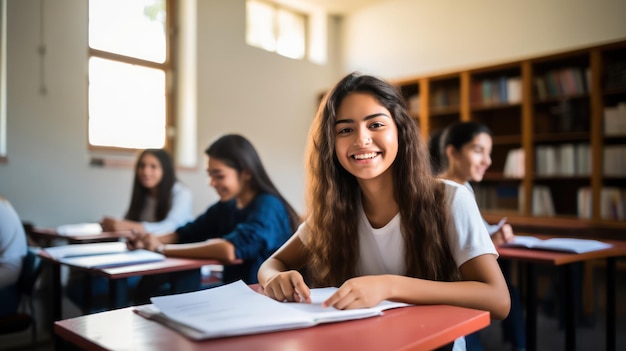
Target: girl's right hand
point(288, 286)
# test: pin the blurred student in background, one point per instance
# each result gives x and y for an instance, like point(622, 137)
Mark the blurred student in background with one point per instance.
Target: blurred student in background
point(159, 204)
point(464, 154)
point(13, 248)
point(249, 222)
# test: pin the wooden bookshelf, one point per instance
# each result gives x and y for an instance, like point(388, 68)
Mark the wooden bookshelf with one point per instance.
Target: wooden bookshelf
point(547, 106)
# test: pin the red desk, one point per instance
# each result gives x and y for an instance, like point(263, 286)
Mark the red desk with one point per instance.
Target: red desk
point(563, 260)
point(408, 328)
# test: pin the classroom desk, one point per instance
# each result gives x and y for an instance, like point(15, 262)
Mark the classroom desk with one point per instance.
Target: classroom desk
point(563, 261)
point(117, 276)
point(407, 328)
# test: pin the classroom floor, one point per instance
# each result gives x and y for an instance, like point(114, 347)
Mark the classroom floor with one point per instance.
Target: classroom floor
point(550, 337)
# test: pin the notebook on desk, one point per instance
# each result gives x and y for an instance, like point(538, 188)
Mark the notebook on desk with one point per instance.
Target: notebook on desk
point(101, 255)
point(559, 244)
point(235, 309)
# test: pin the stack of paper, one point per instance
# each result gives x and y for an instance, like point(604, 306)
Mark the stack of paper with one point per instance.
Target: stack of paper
point(79, 229)
point(101, 255)
point(235, 309)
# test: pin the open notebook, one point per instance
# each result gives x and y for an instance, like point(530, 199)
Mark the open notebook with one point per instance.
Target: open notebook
point(101, 255)
point(235, 309)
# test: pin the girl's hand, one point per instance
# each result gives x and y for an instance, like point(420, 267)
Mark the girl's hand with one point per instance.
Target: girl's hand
point(504, 235)
point(288, 286)
point(360, 292)
point(140, 240)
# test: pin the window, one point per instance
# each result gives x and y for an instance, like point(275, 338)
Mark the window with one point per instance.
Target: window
point(275, 28)
point(129, 70)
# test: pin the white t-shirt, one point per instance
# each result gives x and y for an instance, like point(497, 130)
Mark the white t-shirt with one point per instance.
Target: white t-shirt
point(381, 250)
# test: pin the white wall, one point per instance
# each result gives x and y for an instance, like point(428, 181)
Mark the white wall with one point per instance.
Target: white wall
point(241, 89)
point(268, 98)
point(403, 38)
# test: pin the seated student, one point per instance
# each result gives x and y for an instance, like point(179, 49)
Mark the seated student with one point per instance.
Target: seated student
point(465, 155)
point(159, 204)
point(13, 248)
point(249, 222)
point(379, 225)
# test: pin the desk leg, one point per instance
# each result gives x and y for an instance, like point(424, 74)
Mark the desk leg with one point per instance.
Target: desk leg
point(570, 308)
point(531, 307)
point(57, 300)
point(610, 304)
point(118, 293)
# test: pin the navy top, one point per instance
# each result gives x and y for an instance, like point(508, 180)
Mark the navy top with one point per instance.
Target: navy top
point(256, 231)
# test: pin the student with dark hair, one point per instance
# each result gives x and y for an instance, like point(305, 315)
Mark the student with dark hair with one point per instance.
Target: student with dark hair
point(249, 222)
point(159, 203)
point(465, 149)
point(379, 225)
point(13, 246)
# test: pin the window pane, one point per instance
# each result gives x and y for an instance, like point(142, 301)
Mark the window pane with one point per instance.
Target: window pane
point(126, 105)
point(133, 28)
point(291, 34)
point(260, 25)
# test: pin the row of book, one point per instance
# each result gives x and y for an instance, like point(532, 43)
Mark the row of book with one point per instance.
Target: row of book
point(615, 119)
point(443, 97)
point(612, 200)
point(612, 203)
point(501, 90)
point(563, 82)
point(563, 160)
point(614, 163)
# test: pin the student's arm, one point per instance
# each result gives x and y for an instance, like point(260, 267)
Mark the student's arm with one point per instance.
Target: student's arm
point(218, 249)
point(112, 224)
point(504, 235)
point(483, 288)
point(279, 276)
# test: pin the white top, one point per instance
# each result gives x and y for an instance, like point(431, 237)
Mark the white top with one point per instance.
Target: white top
point(12, 244)
point(180, 213)
point(382, 249)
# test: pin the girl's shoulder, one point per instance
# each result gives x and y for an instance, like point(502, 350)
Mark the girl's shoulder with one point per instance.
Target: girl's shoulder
point(266, 199)
point(455, 190)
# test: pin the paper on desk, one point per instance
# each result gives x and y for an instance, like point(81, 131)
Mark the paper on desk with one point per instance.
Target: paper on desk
point(76, 250)
point(79, 229)
point(235, 309)
point(114, 259)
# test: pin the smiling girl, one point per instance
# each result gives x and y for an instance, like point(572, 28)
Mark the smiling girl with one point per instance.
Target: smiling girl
point(379, 225)
point(249, 222)
point(159, 203)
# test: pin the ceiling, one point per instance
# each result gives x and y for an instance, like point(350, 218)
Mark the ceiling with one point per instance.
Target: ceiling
point(343, 6)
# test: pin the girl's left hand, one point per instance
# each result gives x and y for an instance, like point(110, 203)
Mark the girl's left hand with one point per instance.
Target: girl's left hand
point(360, 292)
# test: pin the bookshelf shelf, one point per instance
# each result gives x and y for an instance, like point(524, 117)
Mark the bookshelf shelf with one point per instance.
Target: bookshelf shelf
point(557, 102)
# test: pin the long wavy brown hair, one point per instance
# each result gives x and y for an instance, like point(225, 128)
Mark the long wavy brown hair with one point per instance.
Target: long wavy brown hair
point(333, 194)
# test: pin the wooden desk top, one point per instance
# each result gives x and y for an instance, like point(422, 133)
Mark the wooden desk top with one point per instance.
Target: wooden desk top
point(408, 328)
point(558, 258)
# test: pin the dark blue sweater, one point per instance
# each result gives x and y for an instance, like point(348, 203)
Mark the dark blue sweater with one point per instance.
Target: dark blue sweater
point(256, 231)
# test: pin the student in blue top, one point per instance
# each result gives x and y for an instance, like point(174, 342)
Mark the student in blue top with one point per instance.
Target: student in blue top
point(465, 155)
point(249, 222)
point(379, 225)
point(159, 204)
point(13, 248)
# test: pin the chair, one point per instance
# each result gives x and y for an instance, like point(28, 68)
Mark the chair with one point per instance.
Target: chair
point(20, 321)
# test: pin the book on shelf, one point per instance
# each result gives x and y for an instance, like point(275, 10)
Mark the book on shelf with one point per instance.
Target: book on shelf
point(101, 255)
point(613, 160)
point(542, 204)
point(236, 309)
point(514, 164)
point(615, 120)
point(79, 229)
point(574, 245)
